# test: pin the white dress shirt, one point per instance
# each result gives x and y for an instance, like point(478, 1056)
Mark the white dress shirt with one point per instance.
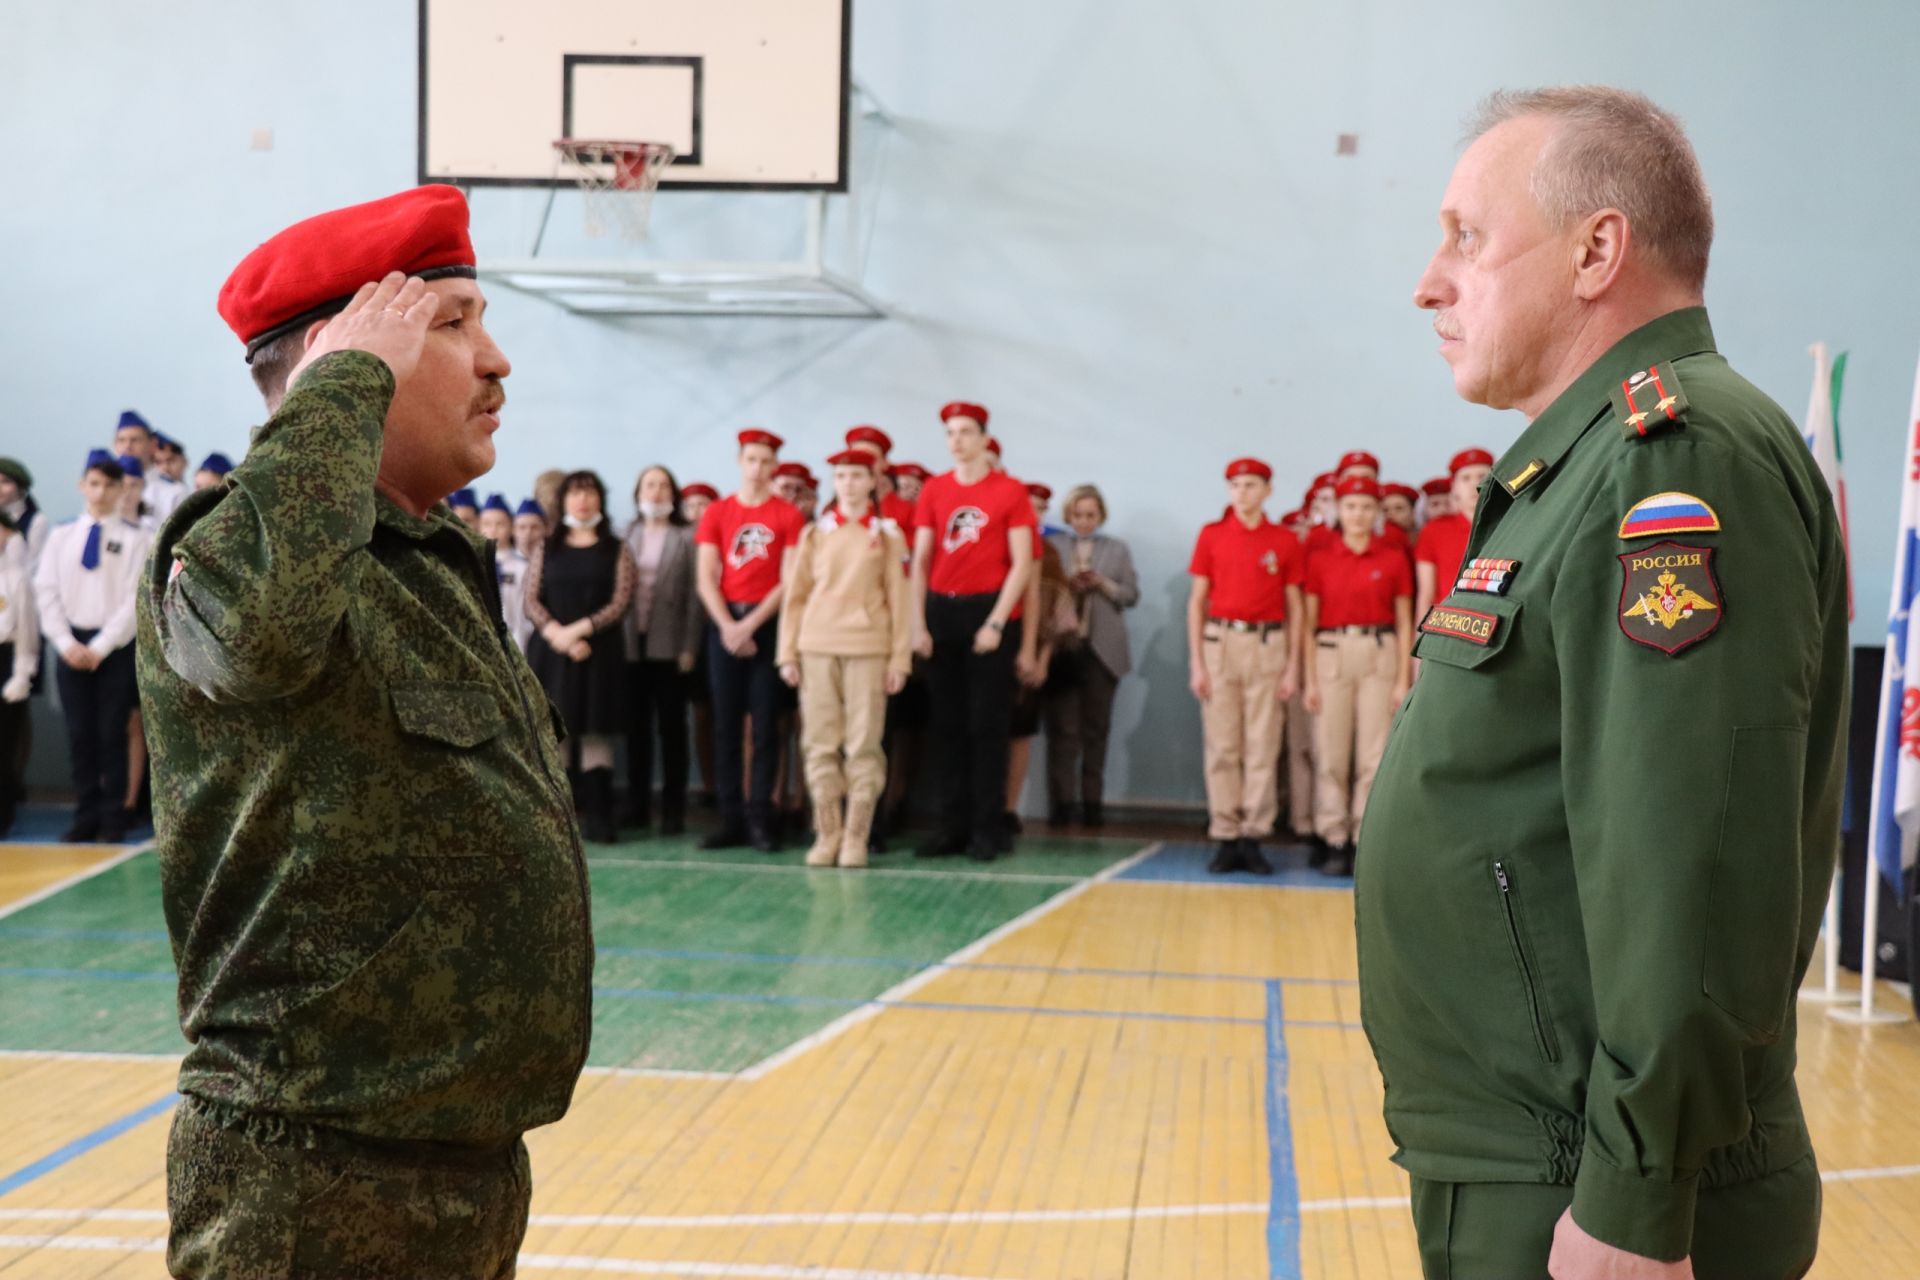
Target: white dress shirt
point(70, 595)
point(512, 567)
point(19, 622)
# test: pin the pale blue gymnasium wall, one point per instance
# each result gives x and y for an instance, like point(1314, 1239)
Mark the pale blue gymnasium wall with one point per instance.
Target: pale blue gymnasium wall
point(1122, 225)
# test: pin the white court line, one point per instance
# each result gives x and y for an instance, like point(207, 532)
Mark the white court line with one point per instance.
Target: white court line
point(74, 1055)
point(47, 891)
point(900, 991)
point(93, 1244)
point(1866, 1175)
point(794, 868)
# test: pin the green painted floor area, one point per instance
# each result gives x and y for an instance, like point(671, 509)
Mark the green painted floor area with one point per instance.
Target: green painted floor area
point(708, 962)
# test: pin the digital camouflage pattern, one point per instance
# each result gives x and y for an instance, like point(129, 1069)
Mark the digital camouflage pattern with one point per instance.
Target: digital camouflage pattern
point(1598, 847)
point(247, 1206)
point(370, 865)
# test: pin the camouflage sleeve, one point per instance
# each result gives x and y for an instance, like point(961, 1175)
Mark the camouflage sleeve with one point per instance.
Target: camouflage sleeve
point(262, 579)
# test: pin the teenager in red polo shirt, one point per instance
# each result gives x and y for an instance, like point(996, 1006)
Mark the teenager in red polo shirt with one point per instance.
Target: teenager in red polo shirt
point(1360, 608)
point(1243, 659)
point(743, 540)
point(1443, 542)
point(972, 555)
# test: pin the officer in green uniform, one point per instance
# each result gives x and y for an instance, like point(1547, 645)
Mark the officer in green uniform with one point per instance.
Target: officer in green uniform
point(1596, 853)
point(371, 870)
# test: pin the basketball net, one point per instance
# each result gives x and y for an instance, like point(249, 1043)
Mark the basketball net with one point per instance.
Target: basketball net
point(617, 181)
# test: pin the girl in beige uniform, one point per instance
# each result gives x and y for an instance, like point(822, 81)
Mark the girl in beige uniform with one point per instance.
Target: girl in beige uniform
point(844, 642)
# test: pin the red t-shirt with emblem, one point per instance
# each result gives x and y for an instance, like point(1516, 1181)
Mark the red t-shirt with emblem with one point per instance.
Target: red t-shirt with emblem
point(1443, 544)
point(1247, 570)
point(751, 541)
point(1358, 588)
point(970, 524)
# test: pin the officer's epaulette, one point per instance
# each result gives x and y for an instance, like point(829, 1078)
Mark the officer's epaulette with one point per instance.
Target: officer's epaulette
point(1649, 401)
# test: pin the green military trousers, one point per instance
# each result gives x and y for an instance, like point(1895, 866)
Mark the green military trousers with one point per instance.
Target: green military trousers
point(283, 1207)
point(1766, 1229)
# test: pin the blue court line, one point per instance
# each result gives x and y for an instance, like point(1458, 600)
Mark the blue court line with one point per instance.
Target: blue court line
point(1283, 1208)
point(80, 1146)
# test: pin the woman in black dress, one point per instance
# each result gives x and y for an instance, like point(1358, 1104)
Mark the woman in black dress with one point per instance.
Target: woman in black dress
point(579, 583)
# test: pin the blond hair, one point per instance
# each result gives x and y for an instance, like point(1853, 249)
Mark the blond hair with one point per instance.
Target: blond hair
point(1615, 149)
point(1080, 491)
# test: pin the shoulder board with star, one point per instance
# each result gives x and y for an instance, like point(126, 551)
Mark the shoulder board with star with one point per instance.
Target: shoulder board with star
point(1649, 401)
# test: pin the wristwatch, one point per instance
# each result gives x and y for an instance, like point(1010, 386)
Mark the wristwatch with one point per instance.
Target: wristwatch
point(997, 626)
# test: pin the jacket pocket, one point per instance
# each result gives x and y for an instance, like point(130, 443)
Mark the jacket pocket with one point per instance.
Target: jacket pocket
point(1523, 959)
point(1753, 912)
point(1466, 629)
point(455, 712)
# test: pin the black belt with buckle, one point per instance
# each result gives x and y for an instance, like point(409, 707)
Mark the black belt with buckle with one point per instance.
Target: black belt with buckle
point(1261, 629)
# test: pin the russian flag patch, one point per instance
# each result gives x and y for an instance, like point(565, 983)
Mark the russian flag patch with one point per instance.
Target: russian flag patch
point(1665, 513)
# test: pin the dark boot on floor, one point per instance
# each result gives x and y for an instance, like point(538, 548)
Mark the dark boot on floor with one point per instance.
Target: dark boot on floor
point(1339, 861)
point(673, 816)
point(1254, 858)
point(1226, 858)
point(596, 817)
point(1096, 814)
point(1318, 851)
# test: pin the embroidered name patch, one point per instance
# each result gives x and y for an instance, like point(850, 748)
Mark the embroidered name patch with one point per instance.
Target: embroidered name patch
point(1669, 513)
point(1669, 600)
point(1462, 624)
point(1490, 577)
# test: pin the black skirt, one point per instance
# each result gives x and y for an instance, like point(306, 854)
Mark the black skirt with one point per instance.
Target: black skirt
point(591, 695)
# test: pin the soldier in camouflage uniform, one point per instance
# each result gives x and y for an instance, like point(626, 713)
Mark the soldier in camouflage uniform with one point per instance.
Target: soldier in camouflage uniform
point(371, 868)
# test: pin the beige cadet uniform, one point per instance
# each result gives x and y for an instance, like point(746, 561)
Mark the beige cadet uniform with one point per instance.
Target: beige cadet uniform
point(1356, 656)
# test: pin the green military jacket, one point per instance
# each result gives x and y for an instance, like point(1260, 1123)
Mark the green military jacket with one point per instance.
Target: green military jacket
point(1598, 846)
point(372, 874)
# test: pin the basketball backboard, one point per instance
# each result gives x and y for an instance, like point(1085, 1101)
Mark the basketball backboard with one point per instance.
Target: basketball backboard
point(751, 94)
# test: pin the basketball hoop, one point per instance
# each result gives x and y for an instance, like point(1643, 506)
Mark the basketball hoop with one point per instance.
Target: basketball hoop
point(617, 181)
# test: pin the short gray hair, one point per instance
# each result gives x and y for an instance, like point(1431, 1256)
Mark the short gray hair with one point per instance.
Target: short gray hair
point(1614, 149)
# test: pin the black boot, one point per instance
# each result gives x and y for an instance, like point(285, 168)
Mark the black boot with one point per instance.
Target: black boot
point(1318, 851)
point(1253, 858)
point(596, 818)
point(673, 815)
point(1226, 858)
point(1339, 861)
point(1096, 815)
point(761, 833)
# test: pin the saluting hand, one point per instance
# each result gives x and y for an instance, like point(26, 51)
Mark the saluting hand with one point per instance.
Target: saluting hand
point(387, 318)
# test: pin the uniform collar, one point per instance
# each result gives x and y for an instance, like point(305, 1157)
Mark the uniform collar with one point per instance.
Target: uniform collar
point(1547, 439)
point(390, 515)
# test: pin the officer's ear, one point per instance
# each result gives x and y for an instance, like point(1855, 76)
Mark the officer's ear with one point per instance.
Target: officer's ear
point(1600, 245)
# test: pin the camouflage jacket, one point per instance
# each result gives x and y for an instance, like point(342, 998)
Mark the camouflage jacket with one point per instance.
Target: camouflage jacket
point(371, 868)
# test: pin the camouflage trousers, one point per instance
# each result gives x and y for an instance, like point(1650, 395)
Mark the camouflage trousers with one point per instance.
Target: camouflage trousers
point(320, 1205)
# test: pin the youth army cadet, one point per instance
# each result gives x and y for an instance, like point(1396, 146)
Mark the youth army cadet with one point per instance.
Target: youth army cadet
point(1243, 655)
point(1582, 926)
point(370, 867)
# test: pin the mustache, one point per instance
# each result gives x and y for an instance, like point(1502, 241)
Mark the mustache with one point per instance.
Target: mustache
point(1444, 326)
point(488, 400)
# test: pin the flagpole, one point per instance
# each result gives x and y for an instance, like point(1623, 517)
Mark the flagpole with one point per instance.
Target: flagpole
point(1829, 991)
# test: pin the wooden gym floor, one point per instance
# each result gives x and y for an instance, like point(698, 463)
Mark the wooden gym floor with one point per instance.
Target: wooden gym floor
point(1092, 1060)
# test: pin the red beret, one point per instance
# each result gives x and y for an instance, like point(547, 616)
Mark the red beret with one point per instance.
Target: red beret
point(1357, 486)
point(913, 469)
point(853, 458)
point(1438, 485)
point(1325, 480)
point(1294, 517)
point(756, 435)
point(1469, 458)
point(961, 409)
point(1358, 458)
point(796, 470)
point(993, 446)
point(1040, 491)
point(1406, 491)
point(313, 268)
point(870, 435)
point(1249, 467)
point(699, 489)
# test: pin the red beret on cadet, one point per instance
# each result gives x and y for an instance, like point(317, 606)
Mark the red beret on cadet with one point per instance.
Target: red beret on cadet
point(1406, 491)
point(1469, 458)
point(870, 435)
point(755, 435)
point(913, 469)
point(853, 458)
point(699, 489)
point(961, 409)
point(795, 470)
point(993, 445)
point(1357, 486)
point(1438, 485)
point(313, 268)
point(1325, 480)
point(1249, 467)
point(1358, 458)
point(1040, 491)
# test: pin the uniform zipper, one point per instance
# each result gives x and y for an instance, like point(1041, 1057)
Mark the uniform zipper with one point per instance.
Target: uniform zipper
point(1542, 1028)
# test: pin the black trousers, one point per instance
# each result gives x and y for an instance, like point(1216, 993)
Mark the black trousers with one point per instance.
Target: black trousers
point(745, 689)
point(1079, 718)
point(656, 705)
point(15, 722)
point(972, 695)
point(97, 704)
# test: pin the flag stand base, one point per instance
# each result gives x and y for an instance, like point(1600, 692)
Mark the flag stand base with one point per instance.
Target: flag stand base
point(1820, 995)
point(1854, 1016)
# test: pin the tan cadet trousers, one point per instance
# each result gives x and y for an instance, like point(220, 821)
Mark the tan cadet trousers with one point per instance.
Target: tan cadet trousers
point(843, 708)
point(1298, 762)
point(1241, 723)
point(1355, 673)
